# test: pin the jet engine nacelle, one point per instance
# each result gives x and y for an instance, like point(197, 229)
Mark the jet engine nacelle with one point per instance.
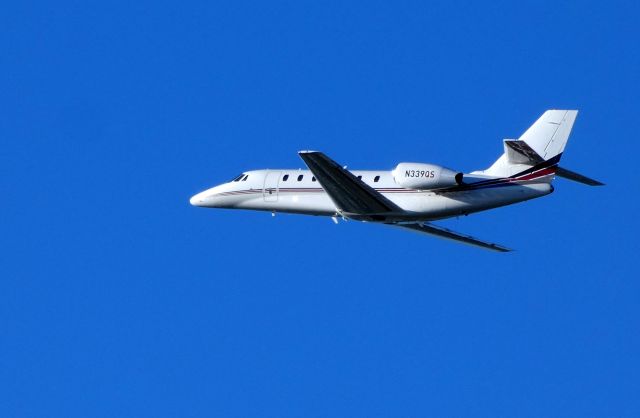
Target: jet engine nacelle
point(425, 176)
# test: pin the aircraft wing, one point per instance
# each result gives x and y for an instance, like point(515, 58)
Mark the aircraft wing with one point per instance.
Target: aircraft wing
point(449, 234)
point(350, 194)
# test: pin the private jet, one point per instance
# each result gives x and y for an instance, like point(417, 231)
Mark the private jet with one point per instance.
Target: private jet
point(412, 195)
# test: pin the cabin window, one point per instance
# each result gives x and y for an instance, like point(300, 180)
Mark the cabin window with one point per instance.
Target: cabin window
point(300, 177)
point(313, 178)
point(285, 178)
point(376, 178)
point(359, 177)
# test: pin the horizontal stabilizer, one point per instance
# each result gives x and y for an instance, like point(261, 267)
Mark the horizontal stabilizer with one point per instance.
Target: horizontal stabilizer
point(570, 175)
point(449, 234)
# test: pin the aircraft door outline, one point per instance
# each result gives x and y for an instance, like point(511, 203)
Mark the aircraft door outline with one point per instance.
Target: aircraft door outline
point(271, 186)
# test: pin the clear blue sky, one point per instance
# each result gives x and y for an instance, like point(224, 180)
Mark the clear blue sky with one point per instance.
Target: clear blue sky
point(119, 299)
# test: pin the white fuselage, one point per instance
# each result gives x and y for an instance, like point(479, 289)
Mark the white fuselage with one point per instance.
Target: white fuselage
point(297, 191)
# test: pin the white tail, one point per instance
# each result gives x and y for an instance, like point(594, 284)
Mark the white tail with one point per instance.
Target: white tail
point(544, 140)
point(549, 135)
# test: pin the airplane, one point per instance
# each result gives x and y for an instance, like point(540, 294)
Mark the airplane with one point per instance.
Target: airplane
point(412, 195)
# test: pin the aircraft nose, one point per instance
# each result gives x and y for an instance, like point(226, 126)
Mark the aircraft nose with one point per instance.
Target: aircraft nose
point(196, 200)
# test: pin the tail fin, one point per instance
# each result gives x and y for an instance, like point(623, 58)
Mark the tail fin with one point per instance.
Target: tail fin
point(538, 151)
point(543, 143)
point(549, 135)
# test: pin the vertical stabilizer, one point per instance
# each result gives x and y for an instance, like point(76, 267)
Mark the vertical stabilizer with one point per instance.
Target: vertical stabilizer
point(543, 141)
point(549, 135)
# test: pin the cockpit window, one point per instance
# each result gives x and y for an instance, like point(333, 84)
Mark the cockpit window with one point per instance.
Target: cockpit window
point(245, 178)
point(238, 177)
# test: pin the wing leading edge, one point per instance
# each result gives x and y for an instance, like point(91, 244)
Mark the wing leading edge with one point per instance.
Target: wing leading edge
point(451, 235)
point(350, 194)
